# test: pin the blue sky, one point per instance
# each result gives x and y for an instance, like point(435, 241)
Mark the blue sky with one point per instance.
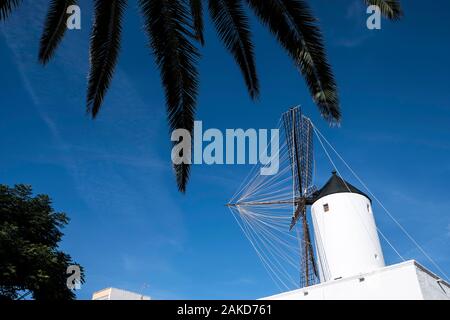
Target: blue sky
point(130, 228)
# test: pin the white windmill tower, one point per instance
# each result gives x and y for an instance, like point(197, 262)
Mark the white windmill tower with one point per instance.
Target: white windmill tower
point(346, 237)
point(348, 261)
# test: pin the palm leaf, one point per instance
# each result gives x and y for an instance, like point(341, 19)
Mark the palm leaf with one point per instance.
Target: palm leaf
point(233, 28)
point(391, 9)
point(294, 26)
point(197, 17)
point(104, 50)
point(7, 6)
point(166, 22)
point(54, 28)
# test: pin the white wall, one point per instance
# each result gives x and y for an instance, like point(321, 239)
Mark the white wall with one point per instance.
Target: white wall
point(117, 294)
point(432, 290)
point(403, 281)
point(347, 242)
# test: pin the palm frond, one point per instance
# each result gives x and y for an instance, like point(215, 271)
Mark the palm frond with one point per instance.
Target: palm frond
point(197, 18)
point(233, 28)
point(54, 28)
point(167, 22)
point(7, 6)
point(391, 9)
point(295, 28)
point(104, 50)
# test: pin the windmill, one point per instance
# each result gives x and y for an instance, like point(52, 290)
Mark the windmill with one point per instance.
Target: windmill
point(273, 214)
point(298, 135)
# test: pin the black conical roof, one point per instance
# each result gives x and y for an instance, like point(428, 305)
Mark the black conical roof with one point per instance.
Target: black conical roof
point(337, 185)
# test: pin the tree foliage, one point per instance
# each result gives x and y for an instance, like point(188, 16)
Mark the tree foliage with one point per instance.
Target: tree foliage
point(31, 261)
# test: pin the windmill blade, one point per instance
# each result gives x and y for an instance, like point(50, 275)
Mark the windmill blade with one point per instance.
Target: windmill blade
point(298, 132)
point(299, 138)
point(301, 207)
point(310, 262)
point(291, 127)
point(271, 211)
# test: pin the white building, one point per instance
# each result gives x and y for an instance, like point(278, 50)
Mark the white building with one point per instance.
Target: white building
point(349, 255)
point(118, 294)
point(403, 281)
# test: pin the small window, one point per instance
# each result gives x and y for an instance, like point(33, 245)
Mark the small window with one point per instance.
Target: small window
point(368, 208)
point(305, 293)
point(361, 279)
point(326, 207)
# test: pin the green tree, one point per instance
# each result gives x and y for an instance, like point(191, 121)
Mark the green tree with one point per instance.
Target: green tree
point(31, 262)
point(175, 31)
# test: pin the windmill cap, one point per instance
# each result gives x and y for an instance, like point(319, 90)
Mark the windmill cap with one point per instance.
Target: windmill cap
point(337, 185)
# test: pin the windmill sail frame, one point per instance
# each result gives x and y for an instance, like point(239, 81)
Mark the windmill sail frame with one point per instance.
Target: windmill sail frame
point(299, 136)
point(263, 211)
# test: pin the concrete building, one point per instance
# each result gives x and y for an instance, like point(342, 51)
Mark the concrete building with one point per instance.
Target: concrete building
point(118, 294)
point(349, 255)
point(403, 281)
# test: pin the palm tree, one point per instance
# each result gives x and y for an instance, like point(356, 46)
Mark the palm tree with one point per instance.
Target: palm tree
point(175, 31)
